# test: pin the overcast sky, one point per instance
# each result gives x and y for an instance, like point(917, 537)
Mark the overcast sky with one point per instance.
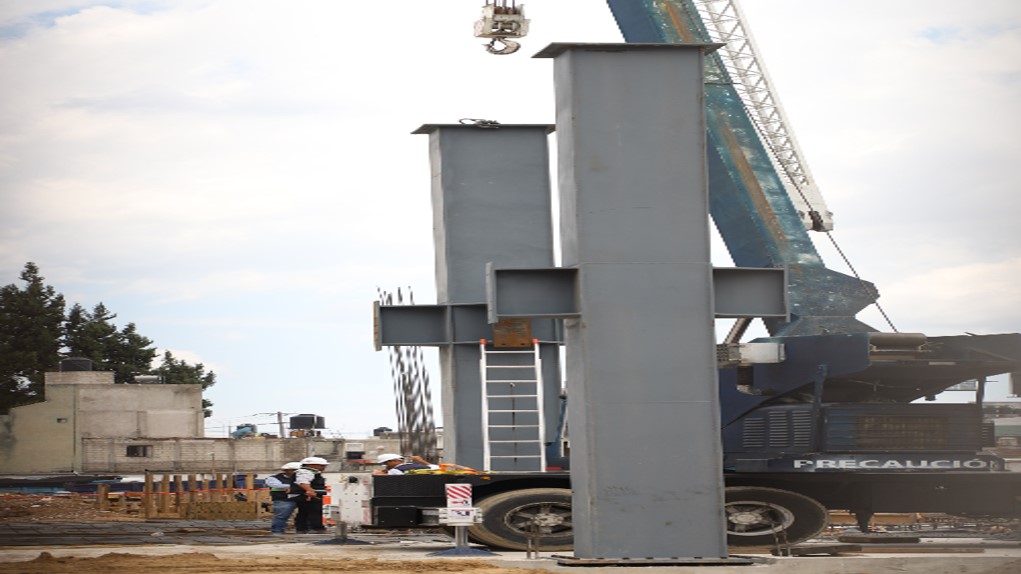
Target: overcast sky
point(237, 177)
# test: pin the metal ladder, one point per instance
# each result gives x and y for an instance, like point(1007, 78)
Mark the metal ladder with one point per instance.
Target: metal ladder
point(513, 429)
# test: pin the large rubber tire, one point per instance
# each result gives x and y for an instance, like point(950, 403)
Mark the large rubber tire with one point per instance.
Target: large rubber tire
point(510, 518)
point(759, 516)
point(755, 516)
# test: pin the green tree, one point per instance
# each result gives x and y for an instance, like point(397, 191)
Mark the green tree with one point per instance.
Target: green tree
point(93, 336)
point(74, 331)
point(89, 335)
point(132, 354)
point(31, 333)
point(35, 334)
point(174, 371)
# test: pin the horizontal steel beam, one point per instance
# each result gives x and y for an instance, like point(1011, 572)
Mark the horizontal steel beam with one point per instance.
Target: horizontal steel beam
point(552, 292)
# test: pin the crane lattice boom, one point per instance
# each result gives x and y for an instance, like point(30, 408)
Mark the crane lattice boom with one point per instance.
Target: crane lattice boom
point(724, 21)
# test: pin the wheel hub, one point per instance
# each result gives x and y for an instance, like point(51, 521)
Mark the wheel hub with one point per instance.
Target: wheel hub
point(547, 519)
point(745, 518)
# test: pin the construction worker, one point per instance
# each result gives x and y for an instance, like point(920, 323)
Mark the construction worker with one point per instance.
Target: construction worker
point(284, 503)
point(309, 487)
point(395, 463)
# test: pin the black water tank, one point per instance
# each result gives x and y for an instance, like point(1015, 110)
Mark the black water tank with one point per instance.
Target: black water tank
point(305, 422)
point(75, 364)
point(380, 431)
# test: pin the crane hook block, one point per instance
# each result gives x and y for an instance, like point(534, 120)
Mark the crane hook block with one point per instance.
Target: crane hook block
point(509, 46)
point(502, 19)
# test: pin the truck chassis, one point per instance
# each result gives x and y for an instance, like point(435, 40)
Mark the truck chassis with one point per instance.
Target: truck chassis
point(769, 508)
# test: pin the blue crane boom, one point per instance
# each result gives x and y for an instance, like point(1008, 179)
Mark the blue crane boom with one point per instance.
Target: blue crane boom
point(832, 356)
point(748, 202)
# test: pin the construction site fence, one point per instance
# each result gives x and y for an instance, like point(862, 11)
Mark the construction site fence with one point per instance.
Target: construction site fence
point(215, 496)
point(197, 496)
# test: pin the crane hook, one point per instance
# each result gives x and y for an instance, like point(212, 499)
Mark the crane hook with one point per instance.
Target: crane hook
point(509, 46)
point(502, 19)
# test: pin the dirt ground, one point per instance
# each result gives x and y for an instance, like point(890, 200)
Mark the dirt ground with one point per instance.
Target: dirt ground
point(202, 563)
point(395, 559)
point(16, 507)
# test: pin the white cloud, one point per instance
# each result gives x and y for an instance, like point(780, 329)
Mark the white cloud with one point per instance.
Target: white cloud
point(182, 355)
point(980, 298)
point(229, 173)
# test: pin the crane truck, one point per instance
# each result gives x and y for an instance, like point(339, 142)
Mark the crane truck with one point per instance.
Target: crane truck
point(834, 423)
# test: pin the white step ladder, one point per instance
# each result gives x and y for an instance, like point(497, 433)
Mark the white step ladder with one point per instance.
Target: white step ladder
point(513, 428)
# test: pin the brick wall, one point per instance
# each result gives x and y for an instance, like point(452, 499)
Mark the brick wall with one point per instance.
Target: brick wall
point(203, 455)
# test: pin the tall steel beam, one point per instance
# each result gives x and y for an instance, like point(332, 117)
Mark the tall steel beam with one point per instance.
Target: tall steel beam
point(641, 374)
point(491, 204)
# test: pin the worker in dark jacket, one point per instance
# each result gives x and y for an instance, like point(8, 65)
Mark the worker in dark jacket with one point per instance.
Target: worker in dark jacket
point(396, 464)
point(284, 503)
point(309, 487)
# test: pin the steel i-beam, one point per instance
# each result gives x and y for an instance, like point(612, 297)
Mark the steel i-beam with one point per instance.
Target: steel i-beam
point(491, 205)
point(641, 373)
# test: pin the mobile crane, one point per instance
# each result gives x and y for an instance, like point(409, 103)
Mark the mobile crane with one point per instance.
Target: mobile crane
point(832, 424)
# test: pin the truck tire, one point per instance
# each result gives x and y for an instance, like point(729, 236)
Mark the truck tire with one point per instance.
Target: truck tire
point(759, 516)
point(510, 518)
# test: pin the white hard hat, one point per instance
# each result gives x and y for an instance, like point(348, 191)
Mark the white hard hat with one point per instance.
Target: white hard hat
point(314, 460)
point(291, 466)
point(388, 457)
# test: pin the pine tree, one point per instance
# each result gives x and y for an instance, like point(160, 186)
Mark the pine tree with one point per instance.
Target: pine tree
point(92, 335)
point(131, 355)
point(35, 334)
point(177, 372)
point(31, 330)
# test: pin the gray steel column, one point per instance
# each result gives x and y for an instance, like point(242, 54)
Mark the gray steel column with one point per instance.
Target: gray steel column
point(641, 371)
point(491, 203)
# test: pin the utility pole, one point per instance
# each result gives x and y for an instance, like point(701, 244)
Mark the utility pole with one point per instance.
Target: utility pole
point(280, 420)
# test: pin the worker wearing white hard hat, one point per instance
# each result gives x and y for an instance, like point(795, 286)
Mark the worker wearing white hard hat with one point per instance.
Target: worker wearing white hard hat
point(309, 487)
point(284, 502)
point(395, 463)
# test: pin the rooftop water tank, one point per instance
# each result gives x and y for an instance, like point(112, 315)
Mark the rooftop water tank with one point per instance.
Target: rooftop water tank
point(305, 422)
point(75, 364)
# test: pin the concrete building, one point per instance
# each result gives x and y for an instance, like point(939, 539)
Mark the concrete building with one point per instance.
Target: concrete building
point(89, 425)
point(50, 437)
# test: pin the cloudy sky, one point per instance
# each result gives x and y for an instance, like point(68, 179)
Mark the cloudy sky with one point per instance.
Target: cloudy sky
point(237, 177)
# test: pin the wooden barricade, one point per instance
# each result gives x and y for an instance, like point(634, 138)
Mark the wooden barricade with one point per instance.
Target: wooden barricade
point(200, 497)
point(178, 488)
point(103, 497)
point(148, 500)
point(165, 498)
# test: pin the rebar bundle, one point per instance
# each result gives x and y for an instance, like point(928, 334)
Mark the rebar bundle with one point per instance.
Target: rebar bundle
point(415, 423)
